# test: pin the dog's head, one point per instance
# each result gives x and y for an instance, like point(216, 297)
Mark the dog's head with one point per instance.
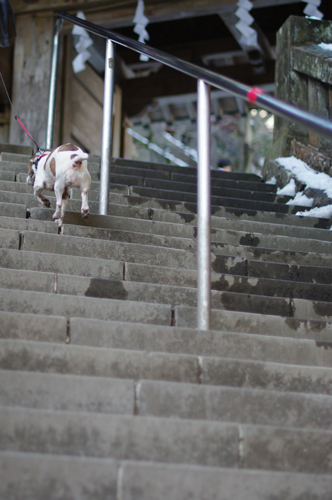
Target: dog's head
point(33, 165)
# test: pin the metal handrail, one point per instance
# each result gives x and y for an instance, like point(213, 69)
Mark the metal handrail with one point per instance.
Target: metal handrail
point(205, 78)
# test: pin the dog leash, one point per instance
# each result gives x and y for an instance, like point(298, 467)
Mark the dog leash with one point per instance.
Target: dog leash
point(18, 119)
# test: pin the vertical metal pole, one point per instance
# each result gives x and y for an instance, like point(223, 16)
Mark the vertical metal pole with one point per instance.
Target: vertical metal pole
point(106, 145)
point(53, 83)
point(203, 208)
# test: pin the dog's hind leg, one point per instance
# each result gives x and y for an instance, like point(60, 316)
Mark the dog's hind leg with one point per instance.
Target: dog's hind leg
point(61, 194)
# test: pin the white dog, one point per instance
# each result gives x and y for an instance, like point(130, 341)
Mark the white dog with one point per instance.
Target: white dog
point(57, 170)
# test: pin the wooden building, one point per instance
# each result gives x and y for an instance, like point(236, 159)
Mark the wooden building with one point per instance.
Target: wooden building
point(203, 32)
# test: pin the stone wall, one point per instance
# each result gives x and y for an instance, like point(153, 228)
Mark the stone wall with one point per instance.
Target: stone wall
point(304, 78)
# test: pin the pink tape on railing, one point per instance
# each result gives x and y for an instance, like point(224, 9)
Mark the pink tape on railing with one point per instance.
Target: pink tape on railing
point(253, 93)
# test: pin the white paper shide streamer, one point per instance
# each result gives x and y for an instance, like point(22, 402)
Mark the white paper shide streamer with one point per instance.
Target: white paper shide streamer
point(84, 42)
point(248, 34)
point(141, 22)
point(311, 10)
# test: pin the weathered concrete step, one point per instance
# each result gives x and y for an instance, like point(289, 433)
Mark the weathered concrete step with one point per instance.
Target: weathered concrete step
point(96, 333)
point(139, 282)
point(51, 283)
point(46, 357)
point(187, 211)
point(97, 268)
point(228, 183)
point(267, 241)
point(225, 264)
point(16, 149)
point(154, 338)
point(272, 287)
point(55, 263)
point(226, 404)
point(56, 476)
point(7, 176)
point(218, 191)
point(225, 219)
point(287, 307)
point(150, 481)
point(282, 256)
point(34, 327)
point(13, 210)
point(87, 478)
point(218, 174)
point(9, 239)
point(50, 391)
point(165, 440)
point(112, 250)
point(244, 322)
point(85, 307)
point(266, 206)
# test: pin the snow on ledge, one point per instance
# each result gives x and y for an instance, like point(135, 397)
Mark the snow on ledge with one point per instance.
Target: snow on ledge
point(312, 179)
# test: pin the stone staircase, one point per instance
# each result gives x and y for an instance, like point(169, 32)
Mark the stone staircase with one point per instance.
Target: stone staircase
point(107, 390)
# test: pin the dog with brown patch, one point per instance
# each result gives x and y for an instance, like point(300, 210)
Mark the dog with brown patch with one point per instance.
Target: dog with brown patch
point(57, 170)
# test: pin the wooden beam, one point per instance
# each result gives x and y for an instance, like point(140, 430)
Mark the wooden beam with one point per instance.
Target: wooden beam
point(121, 12)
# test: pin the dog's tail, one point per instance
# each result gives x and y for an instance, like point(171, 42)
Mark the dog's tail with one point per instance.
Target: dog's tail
point(79, 158)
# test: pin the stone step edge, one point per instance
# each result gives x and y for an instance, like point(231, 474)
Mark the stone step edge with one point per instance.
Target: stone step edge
point(155, 338)
point(122, 437)
point(128, 479)
point(128, 364)
point(145, 398)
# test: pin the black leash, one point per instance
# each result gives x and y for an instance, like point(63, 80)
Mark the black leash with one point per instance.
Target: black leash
point(18, 119)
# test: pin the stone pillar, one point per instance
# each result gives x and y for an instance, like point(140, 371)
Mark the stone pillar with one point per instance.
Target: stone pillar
point(295, 86)
point(32, 62)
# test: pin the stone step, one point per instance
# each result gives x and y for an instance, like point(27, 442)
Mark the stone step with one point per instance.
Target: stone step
point(252, 204)
point(218, 174)
point(112, 250)
point(272, 288)
point(16, 149)
point(222, 182)
point(46, 357)
point(86, 307)
point(134, 281)
point(154, 338)
point(7, 176)
point(165, 440)
point(226, 344)
point(312, 252)
point(145, 398)
point(282, 256)
point(218, 191)
point(244, 322)
point(34, 327)
point(96, 478)
point(225, 219)
point(13, 210)
point(77, 266)
point(175, 198)
point(51, 283)
point(177, 224)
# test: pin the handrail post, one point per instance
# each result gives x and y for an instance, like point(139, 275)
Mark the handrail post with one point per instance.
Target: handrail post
point(203, 207)
point(106, 144)
point(53, 83)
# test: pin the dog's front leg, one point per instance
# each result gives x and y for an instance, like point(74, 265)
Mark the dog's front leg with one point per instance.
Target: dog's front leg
point(85, 203)
point(44, 201)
